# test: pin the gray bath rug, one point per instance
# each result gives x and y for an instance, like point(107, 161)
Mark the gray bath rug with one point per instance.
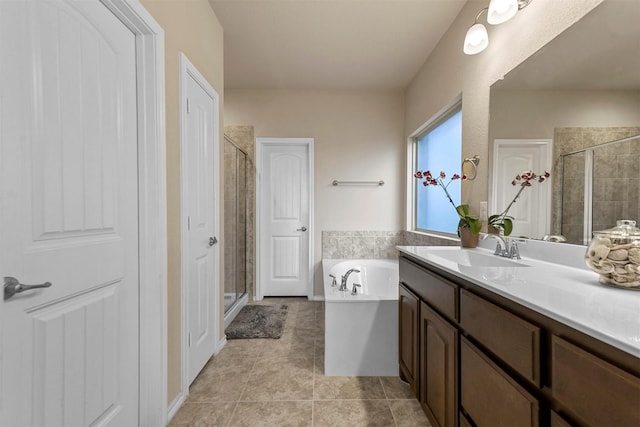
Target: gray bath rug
point(258, 321)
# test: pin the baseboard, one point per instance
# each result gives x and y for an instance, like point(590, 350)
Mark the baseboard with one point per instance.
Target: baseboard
point(221, 344)
point(175, 406)
point(316, 298)
point(234, 310)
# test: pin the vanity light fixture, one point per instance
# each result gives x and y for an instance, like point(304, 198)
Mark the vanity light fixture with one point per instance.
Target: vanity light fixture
point(499, 11)
point(477, 38)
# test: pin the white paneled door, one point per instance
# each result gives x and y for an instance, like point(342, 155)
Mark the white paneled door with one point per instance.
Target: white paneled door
point(200, 153)
point(531, 213)
point(285, 220)
point(69, 216)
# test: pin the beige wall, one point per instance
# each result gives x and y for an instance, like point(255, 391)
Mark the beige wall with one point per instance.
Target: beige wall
point(448, 72)
point(190, 27)
point(357, 136)
point(534, 114)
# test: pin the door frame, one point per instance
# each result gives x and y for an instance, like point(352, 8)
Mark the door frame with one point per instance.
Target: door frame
point(187, 69)
point(547, 155)
point(152, 208)
point(261, 143)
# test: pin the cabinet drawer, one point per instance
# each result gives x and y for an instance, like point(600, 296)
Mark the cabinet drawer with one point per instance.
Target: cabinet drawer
point(512, 339)
point(489, 395)
point(438, 292)
point(592, 389)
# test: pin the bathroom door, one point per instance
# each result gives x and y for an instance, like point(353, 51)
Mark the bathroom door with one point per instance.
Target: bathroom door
point(200, 249)
point(69, 207)
point(284, 189)
point(532, 210)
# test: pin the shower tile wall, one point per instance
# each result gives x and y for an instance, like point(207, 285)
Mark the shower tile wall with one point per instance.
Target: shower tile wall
point(243, 136)
point(616, 185)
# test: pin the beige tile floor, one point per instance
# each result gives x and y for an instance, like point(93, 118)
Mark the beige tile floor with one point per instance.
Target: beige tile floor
point(267, 382)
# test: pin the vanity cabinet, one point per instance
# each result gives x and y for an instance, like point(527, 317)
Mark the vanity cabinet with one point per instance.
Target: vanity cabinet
point(486, 360)
point(438, 367)
point(489, 396)
point(408, 313)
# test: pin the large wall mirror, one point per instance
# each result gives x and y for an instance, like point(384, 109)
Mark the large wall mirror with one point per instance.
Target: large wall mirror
point(572, 108)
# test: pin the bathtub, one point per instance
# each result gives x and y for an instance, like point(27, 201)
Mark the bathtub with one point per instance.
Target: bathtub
point(361, 331)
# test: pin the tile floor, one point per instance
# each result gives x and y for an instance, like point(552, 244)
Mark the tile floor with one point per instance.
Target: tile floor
point(267, 382)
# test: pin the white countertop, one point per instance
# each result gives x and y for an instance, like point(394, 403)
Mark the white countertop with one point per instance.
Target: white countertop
point(568, 295)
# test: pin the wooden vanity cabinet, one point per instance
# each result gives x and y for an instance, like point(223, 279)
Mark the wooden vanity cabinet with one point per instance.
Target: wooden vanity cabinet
point(438, 367)
point(597, 392)
point(485, 360)
point(489, 396)
point(408, 313)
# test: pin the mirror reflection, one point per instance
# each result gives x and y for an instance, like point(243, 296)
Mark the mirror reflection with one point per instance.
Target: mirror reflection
point(580, 91)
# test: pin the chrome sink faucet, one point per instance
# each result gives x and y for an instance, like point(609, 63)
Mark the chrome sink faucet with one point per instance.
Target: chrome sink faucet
point(501, 245)
point(503, 248)
point(343, 283)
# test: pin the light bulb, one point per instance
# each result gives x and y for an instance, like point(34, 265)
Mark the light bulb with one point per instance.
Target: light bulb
point(476, 39)
point(501, 11)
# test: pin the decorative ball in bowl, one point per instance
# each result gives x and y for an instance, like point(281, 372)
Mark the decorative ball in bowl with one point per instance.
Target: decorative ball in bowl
point(615, 255)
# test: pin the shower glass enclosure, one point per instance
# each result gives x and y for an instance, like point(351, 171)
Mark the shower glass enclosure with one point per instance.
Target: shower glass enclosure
point(235, 223)
point(600, 185)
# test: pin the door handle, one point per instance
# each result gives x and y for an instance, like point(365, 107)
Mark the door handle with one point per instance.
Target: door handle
point(212, 241)
point(12, 286)
point(303, 228)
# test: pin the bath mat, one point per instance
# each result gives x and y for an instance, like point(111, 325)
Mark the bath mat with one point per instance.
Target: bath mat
point(258, 321)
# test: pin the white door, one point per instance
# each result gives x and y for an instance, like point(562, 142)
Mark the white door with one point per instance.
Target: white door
point(285, 225)
point(68, 200)
point(200, 151)
point(532, 210)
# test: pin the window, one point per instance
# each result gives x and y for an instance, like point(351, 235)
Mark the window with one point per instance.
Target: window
point(439, 148)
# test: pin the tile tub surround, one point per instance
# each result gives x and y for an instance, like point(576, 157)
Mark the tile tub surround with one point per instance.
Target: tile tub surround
point(360, 244)
point(281, 382)
point(375, 244)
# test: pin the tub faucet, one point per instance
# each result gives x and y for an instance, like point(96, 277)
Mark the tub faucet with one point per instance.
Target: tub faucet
point(501, 246)
point(343, 283)
point(333, 281)
point(354, 291)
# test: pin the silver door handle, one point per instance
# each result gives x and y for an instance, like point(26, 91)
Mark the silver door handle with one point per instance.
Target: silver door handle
point(212, 241)
point(301, 229)
point(12, 286)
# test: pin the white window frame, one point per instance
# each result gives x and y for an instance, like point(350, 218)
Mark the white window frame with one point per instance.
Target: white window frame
point(412, 183)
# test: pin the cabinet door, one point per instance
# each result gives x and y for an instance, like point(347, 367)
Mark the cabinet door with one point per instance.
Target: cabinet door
point(489, 396)
point(438, 368)
point(408, 337)
point(596, 392)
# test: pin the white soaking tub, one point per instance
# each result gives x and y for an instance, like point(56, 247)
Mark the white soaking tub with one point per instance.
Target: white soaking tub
point(361, 331)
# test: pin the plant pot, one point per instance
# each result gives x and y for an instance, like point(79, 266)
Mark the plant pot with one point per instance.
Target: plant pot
point(467, 239)
point(493, 230)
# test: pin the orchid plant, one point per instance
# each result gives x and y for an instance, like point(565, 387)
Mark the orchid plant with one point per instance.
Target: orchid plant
point(503, 220)
point(466, 219)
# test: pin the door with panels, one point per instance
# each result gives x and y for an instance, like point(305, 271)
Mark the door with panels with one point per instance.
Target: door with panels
point(69, 208)
point(284, 236)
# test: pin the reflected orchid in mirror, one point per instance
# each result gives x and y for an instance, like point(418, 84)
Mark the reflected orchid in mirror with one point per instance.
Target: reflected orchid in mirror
point(524, 180)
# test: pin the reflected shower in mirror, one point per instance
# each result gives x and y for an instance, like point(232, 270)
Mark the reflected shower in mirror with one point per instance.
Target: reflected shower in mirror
point(579, 91)
point(601, 182)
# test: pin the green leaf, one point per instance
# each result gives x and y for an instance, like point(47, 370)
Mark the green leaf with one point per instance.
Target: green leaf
point(507, 225)
point(463, 210)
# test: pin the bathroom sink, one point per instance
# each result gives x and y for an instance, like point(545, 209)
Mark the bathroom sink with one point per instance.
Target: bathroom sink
point(475, 258)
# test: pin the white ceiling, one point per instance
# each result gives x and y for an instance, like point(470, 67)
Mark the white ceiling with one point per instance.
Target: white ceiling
point(329, 44)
